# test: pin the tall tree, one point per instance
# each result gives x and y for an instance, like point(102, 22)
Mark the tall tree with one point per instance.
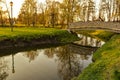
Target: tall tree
point(4, 14)
point(88, 10)
point(41, 13)
point(69, 9)
point(52, 11)
point(116, 10)
point(29, 11)
point(110, 10)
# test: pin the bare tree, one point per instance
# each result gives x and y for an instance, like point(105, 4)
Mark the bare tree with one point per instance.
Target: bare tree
point(116, 12)
point(110, 10)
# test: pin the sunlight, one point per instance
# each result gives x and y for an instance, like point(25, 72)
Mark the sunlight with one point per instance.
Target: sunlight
point(16, 6)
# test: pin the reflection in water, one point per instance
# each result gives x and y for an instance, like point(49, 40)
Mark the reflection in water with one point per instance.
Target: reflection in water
point(13, 68)
point(31, 55)
point(69, 64)
point(70, 59)
point(3, 69)
point(89, 41)
point(50, 52)
point(60, 63)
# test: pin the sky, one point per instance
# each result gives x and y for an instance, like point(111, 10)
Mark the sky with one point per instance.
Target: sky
point(17, 5)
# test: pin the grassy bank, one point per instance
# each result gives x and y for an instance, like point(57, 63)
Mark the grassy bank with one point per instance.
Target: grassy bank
point(106, 65)
point(34, 33)
point(24, 37)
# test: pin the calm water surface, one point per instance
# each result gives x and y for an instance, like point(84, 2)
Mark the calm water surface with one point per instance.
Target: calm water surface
point(59, 63)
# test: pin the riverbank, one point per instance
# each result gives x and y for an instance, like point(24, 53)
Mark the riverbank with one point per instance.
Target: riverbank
point(22, 37)
point(106, 62)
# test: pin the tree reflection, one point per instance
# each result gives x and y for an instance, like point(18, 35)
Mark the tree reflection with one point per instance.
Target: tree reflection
point(69, 58)
point(3, 69)
point(89, 41)
point(13, 68)
point(84, 57)
point(31, 55)
point(50, 52)
point(69, 64)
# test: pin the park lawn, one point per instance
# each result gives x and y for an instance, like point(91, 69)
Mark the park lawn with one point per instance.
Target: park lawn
point(107, 62)
point(34, 33)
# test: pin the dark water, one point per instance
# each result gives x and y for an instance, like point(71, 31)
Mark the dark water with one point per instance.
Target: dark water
point(58, 63)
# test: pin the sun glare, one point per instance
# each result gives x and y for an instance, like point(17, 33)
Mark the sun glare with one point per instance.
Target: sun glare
point(17, 5)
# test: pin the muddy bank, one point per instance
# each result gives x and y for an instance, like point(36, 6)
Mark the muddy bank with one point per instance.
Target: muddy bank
point(13, 50)
point(5, 44)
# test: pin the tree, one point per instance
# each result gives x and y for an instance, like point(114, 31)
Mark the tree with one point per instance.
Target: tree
point(110, 10)
point(52, 12)
point(4, 14)
point(1, 14)
point(28, 12)
point(41, 15)
point(103, 11)
point(69, 10)
point(116, 13)
point(88, 10)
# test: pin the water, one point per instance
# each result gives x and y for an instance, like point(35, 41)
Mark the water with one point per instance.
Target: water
point(55, 63)
point(89, 41)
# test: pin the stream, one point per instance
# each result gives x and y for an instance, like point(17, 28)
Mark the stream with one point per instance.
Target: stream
point(53, 63)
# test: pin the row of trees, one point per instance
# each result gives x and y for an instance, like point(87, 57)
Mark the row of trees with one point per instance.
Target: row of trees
point(50, 13)
point(110, 10)
point(53, 12)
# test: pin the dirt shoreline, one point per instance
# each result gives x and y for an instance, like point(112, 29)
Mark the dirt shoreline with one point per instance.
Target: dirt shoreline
point(26, 43)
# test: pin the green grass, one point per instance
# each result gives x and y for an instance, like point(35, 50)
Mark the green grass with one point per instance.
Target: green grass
point(31, 33)
point(107, 62)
